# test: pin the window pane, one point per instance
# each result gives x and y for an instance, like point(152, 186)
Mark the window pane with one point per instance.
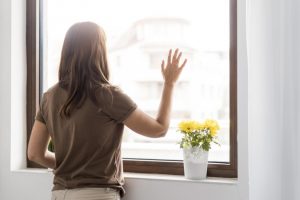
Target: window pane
point(139, 34)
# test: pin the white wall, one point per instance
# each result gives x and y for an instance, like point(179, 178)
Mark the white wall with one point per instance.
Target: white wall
point(5, 35)
point(27, 185)
point(264, 54)
point(18, 80)
point(291, 101)
point(274, 91)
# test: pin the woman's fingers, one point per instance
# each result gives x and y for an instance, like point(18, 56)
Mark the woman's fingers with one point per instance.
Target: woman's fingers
point(183, 64)
point(171, 70)
point(162, 66)
point(169, 57)
point(174, 59)
point(179, 56)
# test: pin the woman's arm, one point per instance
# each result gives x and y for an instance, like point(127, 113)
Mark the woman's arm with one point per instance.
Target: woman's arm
point(145, 125)
point(38, 146)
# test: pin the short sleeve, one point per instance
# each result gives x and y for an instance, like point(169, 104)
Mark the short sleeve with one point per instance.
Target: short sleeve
point(117, 105)
point(40, 114)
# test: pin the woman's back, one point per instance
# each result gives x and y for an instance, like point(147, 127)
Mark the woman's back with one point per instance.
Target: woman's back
point(87, 144)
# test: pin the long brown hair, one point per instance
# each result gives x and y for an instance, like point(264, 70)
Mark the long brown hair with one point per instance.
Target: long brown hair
point(83, 64)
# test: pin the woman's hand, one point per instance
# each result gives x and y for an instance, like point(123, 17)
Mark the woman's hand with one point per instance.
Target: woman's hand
point(172, 70)
point(144, 124)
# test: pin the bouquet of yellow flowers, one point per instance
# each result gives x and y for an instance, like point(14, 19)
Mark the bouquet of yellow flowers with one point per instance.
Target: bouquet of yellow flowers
point(196, 134)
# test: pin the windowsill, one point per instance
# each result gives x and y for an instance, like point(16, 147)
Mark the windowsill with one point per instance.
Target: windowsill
point(161, 177)
point(33, 170)
point(166, 177)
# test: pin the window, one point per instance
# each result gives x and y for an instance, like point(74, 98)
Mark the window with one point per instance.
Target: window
point(137, 41)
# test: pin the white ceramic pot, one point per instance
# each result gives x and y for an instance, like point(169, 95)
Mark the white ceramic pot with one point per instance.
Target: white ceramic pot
point(195, 161)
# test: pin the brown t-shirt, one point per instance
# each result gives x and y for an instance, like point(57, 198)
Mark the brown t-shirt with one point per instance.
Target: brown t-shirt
point(88, 143)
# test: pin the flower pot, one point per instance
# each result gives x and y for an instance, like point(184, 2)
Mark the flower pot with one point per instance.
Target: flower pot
point(195, 161)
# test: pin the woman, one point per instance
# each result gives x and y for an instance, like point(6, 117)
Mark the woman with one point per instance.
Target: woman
point(85, 116)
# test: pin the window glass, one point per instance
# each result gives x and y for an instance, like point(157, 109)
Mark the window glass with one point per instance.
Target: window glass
point(139, 35)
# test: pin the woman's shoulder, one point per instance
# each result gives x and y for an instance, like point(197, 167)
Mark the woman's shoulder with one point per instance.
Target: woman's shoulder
point(53, 91)
point(115, 102)
point(111, 94)
point(53, 88)
point(106, 91)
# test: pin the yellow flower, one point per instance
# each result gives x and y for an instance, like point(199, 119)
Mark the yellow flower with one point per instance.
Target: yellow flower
point(212, 125)
point(199, 126)
point(189, 126)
